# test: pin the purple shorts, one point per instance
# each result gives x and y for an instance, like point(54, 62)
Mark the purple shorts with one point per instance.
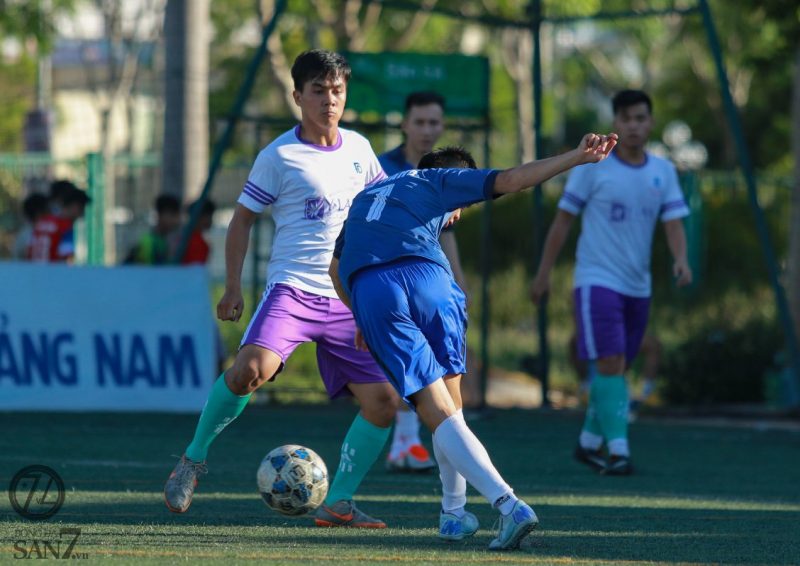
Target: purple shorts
point(609, 323)
point(287, 317)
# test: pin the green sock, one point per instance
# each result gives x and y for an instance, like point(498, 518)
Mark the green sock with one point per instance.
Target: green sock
point(361, 447)
point(222, 408)
point(591, 424)
point(609, 397)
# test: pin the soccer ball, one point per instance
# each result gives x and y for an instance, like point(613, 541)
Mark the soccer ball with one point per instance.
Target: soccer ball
point(292, 480)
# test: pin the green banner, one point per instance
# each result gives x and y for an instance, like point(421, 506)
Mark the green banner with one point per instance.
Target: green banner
point(381, 82)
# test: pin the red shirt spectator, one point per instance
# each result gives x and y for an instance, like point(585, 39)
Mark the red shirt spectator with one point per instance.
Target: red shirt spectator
point(197, 249)
point(52, 240)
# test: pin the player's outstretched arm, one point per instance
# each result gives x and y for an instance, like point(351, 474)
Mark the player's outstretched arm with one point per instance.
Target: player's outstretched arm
point(593, 148)
point(237, 239)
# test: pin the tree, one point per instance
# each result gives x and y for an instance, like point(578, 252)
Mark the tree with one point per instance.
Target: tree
point(185, 151)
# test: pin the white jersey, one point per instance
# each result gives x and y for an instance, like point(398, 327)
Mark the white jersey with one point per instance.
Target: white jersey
point(621, 204)
point(310, 188)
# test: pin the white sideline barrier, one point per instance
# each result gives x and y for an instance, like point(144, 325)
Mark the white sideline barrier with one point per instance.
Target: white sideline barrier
point(105, 339)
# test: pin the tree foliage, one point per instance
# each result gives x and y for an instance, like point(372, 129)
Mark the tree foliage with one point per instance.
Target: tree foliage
point(23, 20)
point(585, 62)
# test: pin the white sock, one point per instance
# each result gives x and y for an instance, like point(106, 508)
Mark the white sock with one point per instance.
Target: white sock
point(506, 503)
point(406, 433)
point(590, 441)
point(461, 447)
point(619, 447)
point(454, 486)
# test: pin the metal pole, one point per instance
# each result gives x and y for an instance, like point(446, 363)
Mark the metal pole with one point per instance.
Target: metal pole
point(750, 179)
point(486, 260)
point(95, 212)
point(227, 136)
point(538, 216)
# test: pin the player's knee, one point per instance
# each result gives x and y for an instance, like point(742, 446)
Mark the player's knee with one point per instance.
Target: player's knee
point(382, 408)
point(245, 378)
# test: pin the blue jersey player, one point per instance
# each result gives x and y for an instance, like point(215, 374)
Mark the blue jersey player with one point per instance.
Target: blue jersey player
point(389, 268)
point(621, 200)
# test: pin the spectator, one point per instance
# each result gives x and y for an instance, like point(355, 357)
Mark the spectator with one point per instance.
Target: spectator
point(59, 189)
point(53, 238)
point(33, 208)
point(198, 249)
point(153, 247)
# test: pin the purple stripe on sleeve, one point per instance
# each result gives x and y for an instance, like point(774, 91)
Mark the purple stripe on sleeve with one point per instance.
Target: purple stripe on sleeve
point(258, 190)
point(255, 196)
point(569, 197)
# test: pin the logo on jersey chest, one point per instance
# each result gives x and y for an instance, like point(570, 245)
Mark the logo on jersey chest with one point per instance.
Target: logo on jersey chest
point(618, 212)
point(318, 208)
point(357, 167)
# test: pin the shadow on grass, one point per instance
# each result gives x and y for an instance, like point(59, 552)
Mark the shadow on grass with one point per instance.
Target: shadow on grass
point(574, 532)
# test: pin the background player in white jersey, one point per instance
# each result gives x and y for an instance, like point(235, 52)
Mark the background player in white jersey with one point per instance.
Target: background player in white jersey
point(309, 175)
point(621, 199)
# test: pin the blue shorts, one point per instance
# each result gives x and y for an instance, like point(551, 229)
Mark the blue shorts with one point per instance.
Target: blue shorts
point(414, 320)
point(609, 323)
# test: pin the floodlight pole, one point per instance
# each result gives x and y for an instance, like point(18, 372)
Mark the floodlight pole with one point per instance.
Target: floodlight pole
point(535, 13)
point(227, 136)
point(750, 179)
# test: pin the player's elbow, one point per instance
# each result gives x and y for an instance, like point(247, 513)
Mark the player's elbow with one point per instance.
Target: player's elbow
point(507, 182)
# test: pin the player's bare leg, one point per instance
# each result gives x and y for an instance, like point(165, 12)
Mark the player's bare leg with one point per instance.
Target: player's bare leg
point(253, 367)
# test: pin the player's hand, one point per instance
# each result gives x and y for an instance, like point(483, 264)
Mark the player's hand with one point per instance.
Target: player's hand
point(596, 147)
point(682, 273)
point(455, 217)
point(360, 343)
point(540, 286)
point(231, 305)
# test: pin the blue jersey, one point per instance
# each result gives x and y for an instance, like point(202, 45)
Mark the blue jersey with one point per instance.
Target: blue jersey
point(621, 204)
point(394, 161)
point(403, 216)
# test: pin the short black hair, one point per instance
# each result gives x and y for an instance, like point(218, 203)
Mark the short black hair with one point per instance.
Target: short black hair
point(628, 98)
point(75, 196)
point(319, 64)
point(167, 203)
point(207, 207)
point(423, 98)
point(60, 188)
point(452, 156)
point(34, 205)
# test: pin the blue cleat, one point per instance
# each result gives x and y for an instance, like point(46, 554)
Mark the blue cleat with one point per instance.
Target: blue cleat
point(453, 528)
point(514, 527)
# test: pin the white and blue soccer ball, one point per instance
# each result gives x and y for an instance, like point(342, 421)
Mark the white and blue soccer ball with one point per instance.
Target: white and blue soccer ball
point(292, 480)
